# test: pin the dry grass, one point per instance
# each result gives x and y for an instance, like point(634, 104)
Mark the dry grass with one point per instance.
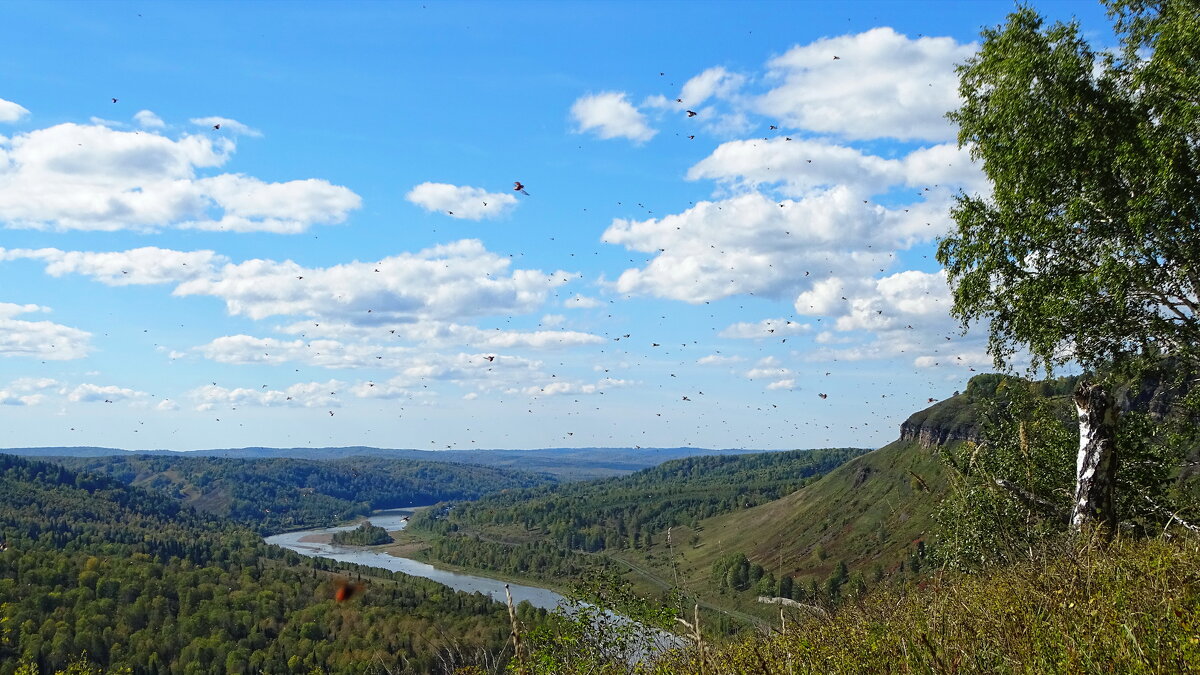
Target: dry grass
point(1124, 607)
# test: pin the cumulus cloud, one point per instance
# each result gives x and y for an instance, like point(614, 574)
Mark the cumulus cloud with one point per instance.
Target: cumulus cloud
point(563, 387)
point(94, 393)
point(578, 301)
point(758, 373)
point(793, 213)
point(148, 120)
point(610, 115)
point(146, 265)
point(11, 112)
point(91, 177)
point(785, 385)
point(461, 201)
point(443, 282)
point(712, 82)
point(882, 85)
point(27, 391)
point(410, 367)
point(299, 395)
point(905, 315)
point(39, 339)
point(229, 125)
point(750, 244)
point(767, 328)
point(718, 359)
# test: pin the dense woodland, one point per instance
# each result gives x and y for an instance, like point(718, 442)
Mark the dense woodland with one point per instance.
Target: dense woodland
point(632, 511)
point(273, 495)
point(363, 535)
point(133, 578)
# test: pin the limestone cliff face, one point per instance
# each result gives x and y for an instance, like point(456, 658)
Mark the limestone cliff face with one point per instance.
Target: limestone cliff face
point(930, 434)
point(954, 419)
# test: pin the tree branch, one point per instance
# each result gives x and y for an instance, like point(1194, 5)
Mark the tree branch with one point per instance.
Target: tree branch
point(1032, 500)
point(1174, 516)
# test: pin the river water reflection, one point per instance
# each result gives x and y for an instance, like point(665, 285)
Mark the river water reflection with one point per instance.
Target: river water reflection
point(397, 520)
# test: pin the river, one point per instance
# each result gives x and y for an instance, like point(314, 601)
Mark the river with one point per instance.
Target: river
point(395, 520)
point(544, 598)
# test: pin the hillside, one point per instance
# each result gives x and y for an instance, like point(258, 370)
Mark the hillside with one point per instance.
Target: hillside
point(272, 495)
point(563, 463)
point(136, 580)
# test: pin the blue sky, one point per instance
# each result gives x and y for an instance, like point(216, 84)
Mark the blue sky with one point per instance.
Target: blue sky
point(345, 260)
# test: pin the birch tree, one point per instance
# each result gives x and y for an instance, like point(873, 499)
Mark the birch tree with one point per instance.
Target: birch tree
point(1087, 249)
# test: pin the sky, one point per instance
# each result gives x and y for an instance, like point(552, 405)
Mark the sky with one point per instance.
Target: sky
point(297, 224)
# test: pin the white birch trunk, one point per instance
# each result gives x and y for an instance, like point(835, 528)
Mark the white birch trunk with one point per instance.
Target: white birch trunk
point(1096, 464)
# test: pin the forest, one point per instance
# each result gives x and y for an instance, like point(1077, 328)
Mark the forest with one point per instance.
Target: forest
point(631, 511)
point(273, 495)
point(363, 535)
point(131, 580)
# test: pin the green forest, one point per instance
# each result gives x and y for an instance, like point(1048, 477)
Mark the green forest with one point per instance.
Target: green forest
point(363, 535)
point(133, 581)
point(273, 495)
point(632, 511)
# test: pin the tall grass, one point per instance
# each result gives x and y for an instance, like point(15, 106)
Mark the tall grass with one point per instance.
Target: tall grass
point(1073, 607)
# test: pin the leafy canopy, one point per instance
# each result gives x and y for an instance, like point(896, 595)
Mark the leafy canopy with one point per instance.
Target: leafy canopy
point(1088, 247)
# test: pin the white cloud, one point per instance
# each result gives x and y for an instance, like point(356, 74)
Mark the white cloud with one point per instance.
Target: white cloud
point(410, 366)
point(799, 167)
point(882, 85)
point(444, 282)
point(25, 391)
point(715, 81)
point(148, 120)
point(718, 359)
point(767, 328)
point(11, 112)
point(166, 405)
point(39, 339)
point(243, 349)
point(461, 201)
point(750, 244)
point(299, 395)
point(900, 315)
point(786, 385)
point(759, 373)
point(562, 387)
point(91, 177)
point(94, 393)
point(229, 125)
point(610, 115)
point(825, 222)
point(578, 301)
point(146, 265)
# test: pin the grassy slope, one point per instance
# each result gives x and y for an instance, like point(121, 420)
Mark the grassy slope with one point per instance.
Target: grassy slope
point(866, 512)
point(1130, 607)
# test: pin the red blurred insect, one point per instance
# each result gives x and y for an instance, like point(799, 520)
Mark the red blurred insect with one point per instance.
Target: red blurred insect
point(346, 589)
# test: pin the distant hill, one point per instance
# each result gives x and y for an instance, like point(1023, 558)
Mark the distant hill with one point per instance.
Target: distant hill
point(564, 463)
point(273, 495)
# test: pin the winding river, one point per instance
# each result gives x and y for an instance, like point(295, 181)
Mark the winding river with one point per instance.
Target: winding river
point(302, 542)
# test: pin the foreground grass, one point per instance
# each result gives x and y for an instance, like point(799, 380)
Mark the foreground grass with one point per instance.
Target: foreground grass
point(1124, 607)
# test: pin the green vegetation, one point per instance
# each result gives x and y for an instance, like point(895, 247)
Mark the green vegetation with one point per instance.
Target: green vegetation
point(274, 495)
point(1129, 607)
point(1087, 245)
point(546, 532)
point(633, 511)
point(135, 580)
point(363, 535)
point(565, 464)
